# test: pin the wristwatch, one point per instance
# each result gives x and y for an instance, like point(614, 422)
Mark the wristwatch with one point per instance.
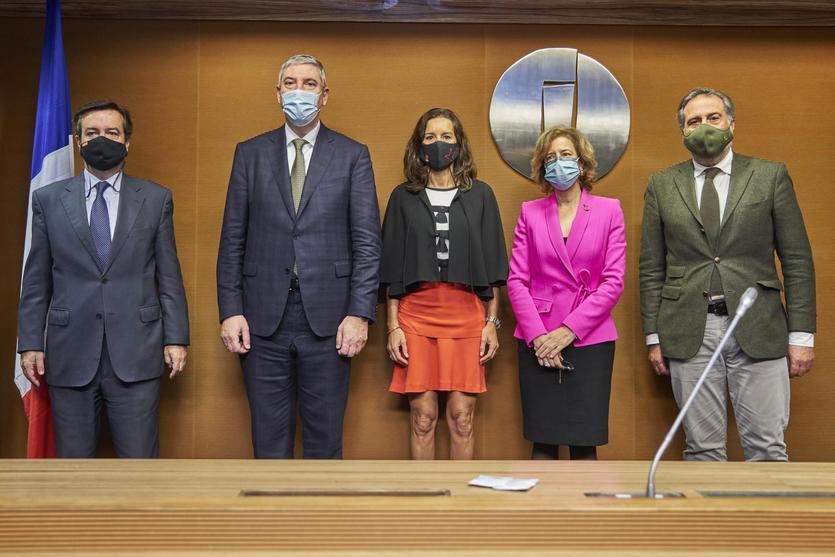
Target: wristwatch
point(494, 320)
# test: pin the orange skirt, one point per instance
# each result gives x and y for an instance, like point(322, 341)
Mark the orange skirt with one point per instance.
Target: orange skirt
point(442, 323)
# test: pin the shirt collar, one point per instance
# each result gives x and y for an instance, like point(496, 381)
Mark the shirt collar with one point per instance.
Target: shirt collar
point(724, 165)
point(310, 137)
point(90, 182)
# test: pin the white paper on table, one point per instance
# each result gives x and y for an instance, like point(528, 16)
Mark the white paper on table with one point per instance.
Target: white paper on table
point(504, 483)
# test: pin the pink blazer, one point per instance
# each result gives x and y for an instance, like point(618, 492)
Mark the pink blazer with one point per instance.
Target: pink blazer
point(575, 283)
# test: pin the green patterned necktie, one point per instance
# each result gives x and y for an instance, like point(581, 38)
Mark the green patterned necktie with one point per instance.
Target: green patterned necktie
point(297, 174)
point(709, 209)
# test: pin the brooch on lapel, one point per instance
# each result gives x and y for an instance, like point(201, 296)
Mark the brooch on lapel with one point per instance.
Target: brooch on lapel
point(585, 207)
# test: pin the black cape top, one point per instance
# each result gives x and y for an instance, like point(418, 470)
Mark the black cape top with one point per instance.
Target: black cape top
point(478, 254)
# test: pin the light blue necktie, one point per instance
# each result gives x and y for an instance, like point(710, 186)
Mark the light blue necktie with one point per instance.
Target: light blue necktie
point(100, 225)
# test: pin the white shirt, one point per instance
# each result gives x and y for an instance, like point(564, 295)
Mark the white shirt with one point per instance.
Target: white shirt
point(111, 196)
point(307, 148)
point(441, 198)
point(722, 183)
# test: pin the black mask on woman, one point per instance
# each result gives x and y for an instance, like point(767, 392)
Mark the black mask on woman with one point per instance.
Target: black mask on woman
point(439, 155)
point(103, 154)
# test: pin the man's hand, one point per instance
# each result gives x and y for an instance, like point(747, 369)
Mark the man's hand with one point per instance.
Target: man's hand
point(234, 332)
point(551, 344)
point(351, 336)
point(175, 358)
point(800, 359)
point(659, 363)
point(489, 343)
point(32, 364)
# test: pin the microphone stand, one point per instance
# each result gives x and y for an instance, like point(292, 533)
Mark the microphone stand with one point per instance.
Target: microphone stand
point(745, 302)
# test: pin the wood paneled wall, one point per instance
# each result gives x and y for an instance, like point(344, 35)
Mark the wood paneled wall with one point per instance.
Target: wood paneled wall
point(780, 13)
point(197, 88)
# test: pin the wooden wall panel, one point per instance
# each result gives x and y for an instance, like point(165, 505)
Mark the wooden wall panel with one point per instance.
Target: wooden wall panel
point(527, 12)
point(18, 97)
point(196, 89)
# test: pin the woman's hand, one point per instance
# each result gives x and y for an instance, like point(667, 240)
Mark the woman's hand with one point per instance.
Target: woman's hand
point(550, 345)
point(538, 342)
point(397, 349)
point(489, 343)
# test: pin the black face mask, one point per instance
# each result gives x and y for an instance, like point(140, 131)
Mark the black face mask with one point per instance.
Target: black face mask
point(439, 155)
point(103, 154)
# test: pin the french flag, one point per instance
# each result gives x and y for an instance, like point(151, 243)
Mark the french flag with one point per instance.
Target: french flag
point(52, 160)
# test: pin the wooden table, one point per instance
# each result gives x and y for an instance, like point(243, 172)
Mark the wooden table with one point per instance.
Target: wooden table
point(195, 507)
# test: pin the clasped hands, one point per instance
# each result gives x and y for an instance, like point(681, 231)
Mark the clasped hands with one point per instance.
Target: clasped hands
point(549, 346)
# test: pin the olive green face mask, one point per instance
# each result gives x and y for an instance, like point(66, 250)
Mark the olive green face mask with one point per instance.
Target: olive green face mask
point(708, 141)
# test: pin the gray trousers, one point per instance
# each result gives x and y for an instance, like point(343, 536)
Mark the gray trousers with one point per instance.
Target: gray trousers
point(759, 391)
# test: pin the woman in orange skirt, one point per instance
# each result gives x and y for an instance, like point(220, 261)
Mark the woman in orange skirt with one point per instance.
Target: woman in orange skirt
point(444, 257)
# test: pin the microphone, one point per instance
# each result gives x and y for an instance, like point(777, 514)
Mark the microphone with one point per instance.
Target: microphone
point(745, 302)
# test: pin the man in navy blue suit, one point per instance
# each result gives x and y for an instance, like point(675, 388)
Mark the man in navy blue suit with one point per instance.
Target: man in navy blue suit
point(297, 269)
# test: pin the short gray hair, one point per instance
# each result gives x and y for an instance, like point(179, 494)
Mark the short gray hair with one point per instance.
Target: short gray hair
point(726, 100)
point(299, 59)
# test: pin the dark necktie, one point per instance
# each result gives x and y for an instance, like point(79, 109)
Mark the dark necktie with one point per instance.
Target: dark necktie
point(709, 209)
point(100, 225)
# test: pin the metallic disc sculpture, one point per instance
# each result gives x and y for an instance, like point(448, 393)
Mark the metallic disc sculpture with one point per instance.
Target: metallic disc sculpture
point(558, 86)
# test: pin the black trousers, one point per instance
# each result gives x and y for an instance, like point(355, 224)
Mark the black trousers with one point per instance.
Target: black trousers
point(295, 370)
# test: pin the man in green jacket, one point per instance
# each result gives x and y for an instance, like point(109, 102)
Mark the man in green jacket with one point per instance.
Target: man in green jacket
point(711, 228)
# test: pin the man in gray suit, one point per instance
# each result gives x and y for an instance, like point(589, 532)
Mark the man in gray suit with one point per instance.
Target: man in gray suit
point(102, 306)
point(711, 228)
point(297, 268)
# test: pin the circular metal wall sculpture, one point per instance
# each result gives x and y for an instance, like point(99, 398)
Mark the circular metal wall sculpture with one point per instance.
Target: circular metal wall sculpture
point(558, 87)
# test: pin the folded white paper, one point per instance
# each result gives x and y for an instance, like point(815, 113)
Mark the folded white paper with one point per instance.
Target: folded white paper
point(504, 483)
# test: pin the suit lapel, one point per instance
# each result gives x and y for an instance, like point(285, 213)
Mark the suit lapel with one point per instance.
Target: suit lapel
point(72, 198)
point(741, 172)
point(131, 199)
point(578, 227)
point(552, 221)
point(686, 184)
point(319, 163)
point(278, 161)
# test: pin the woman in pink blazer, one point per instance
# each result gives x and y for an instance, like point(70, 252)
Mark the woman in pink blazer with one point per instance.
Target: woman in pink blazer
point(566, 275)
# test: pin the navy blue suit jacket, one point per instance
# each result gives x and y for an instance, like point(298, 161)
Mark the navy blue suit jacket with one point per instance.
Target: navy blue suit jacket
point(68, 302)
point(334, 238)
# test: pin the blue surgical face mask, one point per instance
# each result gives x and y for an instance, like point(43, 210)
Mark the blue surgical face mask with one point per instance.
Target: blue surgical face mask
point(562, 173)
point(300, 107)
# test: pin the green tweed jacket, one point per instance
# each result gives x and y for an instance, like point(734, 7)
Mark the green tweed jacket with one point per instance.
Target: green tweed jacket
point(761, 218)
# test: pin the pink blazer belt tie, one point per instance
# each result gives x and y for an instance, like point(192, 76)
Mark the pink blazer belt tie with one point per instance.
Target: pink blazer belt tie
point(584, 291)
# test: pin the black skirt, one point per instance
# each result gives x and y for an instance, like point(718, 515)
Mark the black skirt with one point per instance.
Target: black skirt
point(574, 411)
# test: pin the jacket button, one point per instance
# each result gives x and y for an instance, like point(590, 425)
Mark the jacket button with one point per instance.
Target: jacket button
point(286, 270)
point(104, 281)
point(98, 316)
point(716, 259)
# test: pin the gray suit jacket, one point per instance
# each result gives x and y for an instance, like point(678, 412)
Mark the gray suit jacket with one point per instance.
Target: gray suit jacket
point(761, 218)
point(334, 237)
point(68, 304)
